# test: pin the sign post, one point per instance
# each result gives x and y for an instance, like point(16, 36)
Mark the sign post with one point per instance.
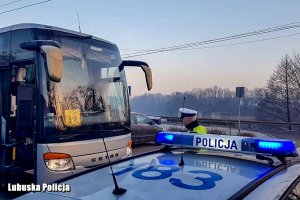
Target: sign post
point(240, 92)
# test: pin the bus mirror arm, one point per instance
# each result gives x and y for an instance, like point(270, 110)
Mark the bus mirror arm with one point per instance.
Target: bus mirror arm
point(52, 53)
point(145, 67)
point(35, 45)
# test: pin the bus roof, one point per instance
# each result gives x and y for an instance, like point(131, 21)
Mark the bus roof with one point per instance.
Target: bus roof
point(46, 27)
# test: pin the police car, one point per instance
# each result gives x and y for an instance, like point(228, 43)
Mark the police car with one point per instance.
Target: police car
point(193, 166)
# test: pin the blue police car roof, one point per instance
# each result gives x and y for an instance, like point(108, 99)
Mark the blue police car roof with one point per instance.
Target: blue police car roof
point(158, 176)
point(230, 172)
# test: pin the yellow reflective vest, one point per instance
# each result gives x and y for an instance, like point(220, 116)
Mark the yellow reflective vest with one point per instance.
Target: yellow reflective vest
point(199, 129)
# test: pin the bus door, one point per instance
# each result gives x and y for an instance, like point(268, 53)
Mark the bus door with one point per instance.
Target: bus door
point(22, 122)
point(5, 147)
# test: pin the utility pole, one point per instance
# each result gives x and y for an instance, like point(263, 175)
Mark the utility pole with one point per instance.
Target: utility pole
point(78, 22)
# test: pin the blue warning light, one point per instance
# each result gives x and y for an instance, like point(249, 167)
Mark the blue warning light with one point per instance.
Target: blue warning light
point(163, 137)
point(276, 147)
point(169, 137)
point(266, 146)
point(269, 145)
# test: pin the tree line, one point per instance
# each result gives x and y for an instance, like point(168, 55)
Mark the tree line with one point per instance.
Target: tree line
point(215, 100)
point(279, 100)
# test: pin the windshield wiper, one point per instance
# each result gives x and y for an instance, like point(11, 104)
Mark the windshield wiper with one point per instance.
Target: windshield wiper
point(128, 129)
point(85, 133)
point(91, 113)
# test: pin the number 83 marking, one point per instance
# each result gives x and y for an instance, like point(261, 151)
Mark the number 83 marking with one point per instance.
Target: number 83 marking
point(163, 173)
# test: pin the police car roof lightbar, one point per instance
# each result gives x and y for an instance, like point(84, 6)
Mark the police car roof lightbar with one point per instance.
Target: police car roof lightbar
point(274, 147)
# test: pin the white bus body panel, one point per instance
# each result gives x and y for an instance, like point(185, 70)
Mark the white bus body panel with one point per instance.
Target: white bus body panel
point(85, 154)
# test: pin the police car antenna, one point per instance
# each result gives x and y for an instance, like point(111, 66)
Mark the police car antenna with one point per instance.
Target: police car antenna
point(181, 159)
point(117, 190)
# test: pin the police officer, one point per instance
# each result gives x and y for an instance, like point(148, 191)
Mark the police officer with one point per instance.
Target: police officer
point(189, 120)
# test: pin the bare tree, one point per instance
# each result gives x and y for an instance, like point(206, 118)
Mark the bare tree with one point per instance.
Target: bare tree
point(296, 85)
point(279, 95)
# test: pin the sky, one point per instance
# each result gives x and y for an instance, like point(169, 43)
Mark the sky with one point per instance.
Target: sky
point(152, 24)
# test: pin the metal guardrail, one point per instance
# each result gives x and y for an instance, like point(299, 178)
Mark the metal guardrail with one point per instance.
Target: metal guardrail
point(232, 121)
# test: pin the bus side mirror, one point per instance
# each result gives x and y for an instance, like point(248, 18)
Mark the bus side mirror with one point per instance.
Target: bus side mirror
point(145, 67)
point(53, 56)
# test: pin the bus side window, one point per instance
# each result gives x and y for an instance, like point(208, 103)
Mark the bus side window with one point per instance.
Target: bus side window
point(16, 52)
point(4, 49)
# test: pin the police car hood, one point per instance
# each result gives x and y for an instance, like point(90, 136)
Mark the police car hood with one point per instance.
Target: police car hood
point(158, 176)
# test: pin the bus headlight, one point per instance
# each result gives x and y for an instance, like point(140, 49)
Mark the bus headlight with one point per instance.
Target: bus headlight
point(58, 161)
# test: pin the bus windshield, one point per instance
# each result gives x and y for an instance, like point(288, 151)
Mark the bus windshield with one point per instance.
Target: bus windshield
point(92, 92)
